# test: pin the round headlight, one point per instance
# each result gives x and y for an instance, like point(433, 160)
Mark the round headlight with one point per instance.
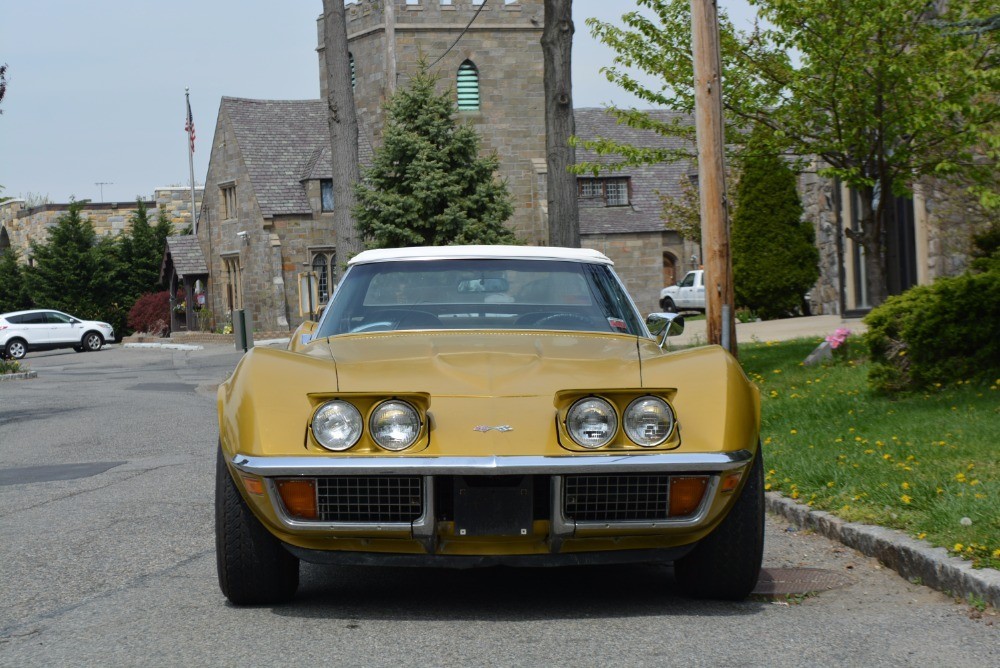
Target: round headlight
point(592, 422)
point(648, 421)
point(337, 425)
point(395, 425)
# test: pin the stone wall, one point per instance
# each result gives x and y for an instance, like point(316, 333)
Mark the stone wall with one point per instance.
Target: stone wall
point(24, 226)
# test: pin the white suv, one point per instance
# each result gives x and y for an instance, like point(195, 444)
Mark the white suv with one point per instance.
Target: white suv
point(43, 329)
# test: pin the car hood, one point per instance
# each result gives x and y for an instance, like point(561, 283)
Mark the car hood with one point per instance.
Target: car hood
point(484, 364)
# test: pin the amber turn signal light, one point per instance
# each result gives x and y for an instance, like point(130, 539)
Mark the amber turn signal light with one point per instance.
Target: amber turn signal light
point(253, 484)
point(686, 494)
point(299, 497)
point(730, 482)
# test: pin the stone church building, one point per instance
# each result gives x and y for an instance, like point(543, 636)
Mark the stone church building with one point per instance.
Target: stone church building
point(266, 217)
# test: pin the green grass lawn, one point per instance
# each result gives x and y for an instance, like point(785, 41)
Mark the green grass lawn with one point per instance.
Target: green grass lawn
point(924, 463)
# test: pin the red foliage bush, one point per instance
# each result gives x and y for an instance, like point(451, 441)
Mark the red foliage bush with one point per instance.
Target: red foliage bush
point(151, 314)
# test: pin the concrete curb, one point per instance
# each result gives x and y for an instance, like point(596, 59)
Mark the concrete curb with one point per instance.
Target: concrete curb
point(914, 559)
point(168, 346)
point(20, 375)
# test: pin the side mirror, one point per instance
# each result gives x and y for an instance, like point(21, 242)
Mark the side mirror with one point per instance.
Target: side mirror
point(662, 325)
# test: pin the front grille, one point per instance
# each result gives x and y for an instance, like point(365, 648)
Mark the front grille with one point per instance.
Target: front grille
point(369, 499)
point(606, 498)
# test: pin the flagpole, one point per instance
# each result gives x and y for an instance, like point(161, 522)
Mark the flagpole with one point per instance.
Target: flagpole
point(194, 212)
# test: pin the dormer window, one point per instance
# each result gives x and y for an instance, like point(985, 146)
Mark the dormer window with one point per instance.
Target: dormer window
point(468, 87)
point(326, 195)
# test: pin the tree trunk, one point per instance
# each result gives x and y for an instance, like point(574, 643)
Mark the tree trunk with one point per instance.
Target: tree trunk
point(343, 119)
point(557, 47)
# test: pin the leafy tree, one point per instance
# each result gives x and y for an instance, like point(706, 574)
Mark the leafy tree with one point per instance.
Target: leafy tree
point(73, 270)
point(428, 185)
point(3, 83)
point(885, 92)
point(775, 260)
point(13, 293)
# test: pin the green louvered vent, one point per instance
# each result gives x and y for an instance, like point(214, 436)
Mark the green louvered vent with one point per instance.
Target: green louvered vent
point(468, 87)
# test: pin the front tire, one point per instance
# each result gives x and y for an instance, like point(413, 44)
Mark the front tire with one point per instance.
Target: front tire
point(16, 349)
point(668, 306)
point(253, 567)
point(92, 341)
point(725, 565)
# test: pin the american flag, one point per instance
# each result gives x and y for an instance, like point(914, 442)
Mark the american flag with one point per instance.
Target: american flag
point(189, 126)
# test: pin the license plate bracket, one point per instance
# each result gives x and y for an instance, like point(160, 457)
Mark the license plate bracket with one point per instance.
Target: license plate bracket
point(493, 507)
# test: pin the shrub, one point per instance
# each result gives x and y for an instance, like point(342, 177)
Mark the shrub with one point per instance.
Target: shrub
point(151, 314)
point(936, 333)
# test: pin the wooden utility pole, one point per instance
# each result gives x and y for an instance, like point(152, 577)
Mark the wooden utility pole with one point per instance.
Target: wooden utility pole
point(721, 328)
point(343, 119)
point(557, 45)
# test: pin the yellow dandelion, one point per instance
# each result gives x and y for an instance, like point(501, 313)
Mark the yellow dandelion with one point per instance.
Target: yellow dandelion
point(830, 484)
point(958, 547)
point(767, 486)
point(996, 553)
point(905, 498)
point(960, 477)
point(921, 535)
point(887, 456)
point(869, 451)
point(905, 485)
point(793, 431)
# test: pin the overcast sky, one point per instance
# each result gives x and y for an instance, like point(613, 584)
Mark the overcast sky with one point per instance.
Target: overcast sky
point(96, 89)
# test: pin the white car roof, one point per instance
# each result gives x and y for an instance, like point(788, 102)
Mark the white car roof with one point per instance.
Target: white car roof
point(480, 252)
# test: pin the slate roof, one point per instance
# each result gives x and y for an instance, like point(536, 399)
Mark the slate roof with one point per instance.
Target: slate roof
point(185, 253)
point(645, 212)
point(283, 143)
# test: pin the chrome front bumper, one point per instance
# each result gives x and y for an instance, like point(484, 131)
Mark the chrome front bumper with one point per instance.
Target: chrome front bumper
point(424, 528)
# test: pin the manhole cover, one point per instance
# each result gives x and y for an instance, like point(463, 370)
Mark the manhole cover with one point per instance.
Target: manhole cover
point(784, 581)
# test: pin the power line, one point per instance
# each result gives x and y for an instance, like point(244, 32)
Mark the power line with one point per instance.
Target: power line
point(465, 30)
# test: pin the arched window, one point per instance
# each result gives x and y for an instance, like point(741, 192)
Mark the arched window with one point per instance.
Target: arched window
point(320, 267)
point(350, 58)
point(468, 87)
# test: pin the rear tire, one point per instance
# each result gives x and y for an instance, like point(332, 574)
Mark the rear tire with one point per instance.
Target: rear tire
point(726, 564)
point(16, 349)
point(253, 567)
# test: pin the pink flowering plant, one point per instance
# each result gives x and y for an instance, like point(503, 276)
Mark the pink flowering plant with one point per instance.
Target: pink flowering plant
point(838, 342)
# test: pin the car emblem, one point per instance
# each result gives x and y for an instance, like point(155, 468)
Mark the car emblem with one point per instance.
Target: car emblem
point(482, 429)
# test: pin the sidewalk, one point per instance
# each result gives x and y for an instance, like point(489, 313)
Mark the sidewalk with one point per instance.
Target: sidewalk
point(773, 330)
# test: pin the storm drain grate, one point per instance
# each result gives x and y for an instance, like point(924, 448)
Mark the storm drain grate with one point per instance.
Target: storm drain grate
point(784, 581)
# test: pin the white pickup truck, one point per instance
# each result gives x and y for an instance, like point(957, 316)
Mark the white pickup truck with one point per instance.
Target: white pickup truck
point(688, 295)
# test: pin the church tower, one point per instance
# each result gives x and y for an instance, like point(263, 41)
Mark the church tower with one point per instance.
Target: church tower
point(488, 52)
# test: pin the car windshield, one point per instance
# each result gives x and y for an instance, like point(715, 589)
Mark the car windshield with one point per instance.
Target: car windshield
point(514, 294)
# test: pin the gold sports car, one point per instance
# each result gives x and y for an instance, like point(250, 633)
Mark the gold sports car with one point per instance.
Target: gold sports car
point(481, 405)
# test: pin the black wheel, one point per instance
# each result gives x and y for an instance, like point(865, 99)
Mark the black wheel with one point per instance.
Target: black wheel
point(16, 349)
point(254, 569)
point(726, 563)
point(667, 304)
point(92, 341)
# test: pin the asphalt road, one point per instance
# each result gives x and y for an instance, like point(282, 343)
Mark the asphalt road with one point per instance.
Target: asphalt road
point(107, 558)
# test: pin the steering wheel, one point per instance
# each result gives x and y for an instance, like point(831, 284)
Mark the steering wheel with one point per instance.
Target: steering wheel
point(571, 321)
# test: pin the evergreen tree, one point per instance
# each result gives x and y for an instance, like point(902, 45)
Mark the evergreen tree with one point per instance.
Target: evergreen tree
point(13, 295)
point(775, 260)
point(428, 184)
point(140, 255)
point(72, 270)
